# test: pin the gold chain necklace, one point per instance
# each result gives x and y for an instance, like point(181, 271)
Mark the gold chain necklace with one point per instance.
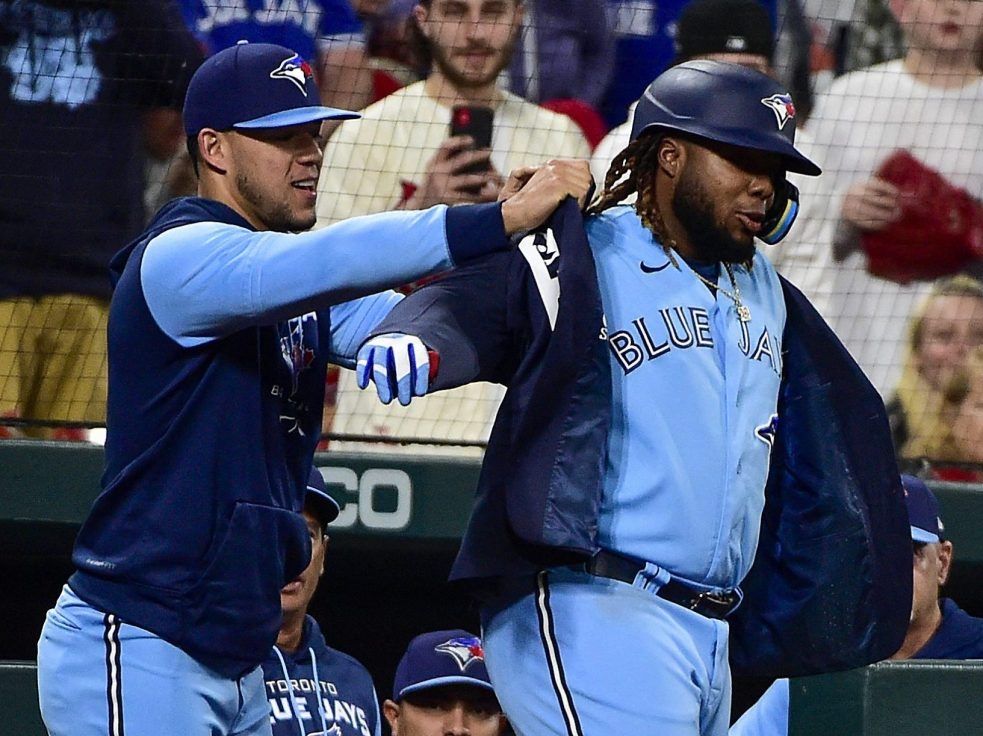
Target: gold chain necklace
point(743, 311)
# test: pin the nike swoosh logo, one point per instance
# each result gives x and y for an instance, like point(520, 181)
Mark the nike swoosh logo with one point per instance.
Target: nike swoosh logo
point(651, 269)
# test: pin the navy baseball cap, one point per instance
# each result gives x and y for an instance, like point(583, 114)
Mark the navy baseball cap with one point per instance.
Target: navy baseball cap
point(440, 658)
point(727, 103)
point(923, 511)
point(318, 501)
point(255, 85)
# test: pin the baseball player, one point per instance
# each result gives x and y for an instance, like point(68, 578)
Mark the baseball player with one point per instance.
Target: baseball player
point(642, 440)
point(939, 629)
point(222, 322)
point(442, 687)
point(312, 688)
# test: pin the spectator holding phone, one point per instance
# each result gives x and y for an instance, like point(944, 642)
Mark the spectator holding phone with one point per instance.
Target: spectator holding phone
point(444, 140)
point(401, 154)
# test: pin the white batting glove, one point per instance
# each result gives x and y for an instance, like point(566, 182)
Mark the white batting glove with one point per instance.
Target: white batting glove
point(399, 365)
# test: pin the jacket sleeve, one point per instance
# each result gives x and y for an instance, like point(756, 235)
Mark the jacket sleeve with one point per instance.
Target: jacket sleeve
point(474, 318)
point(205, 280)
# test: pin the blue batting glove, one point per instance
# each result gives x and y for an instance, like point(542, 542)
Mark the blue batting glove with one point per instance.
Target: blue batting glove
point(398, 364)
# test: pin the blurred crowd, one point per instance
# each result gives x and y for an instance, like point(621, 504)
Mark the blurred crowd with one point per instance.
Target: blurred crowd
point(456, 93)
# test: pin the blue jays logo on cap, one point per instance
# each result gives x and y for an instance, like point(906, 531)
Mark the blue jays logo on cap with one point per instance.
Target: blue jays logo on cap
point(296, 70)
point(781, 105)
point(464, 649)
point(248, 86)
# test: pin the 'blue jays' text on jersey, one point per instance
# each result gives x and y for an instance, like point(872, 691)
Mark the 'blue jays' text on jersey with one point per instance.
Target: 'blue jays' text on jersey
point(695, 392)
point(319, 690)
point(219, 337)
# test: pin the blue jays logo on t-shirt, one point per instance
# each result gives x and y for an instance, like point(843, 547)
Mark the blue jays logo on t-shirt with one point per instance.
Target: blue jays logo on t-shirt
point(781, 105)
point(298, 345)
point(464, 649)
point(296, 70)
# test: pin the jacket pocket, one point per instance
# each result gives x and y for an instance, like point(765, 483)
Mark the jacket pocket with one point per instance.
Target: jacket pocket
point(233, 611)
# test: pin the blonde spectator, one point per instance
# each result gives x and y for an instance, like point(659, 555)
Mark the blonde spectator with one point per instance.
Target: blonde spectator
point(939, 376)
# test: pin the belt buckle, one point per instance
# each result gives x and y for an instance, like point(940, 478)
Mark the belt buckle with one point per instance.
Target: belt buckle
point(724, 601)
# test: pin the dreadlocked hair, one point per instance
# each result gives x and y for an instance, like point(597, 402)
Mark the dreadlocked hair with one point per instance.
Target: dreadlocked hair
point(633, 172)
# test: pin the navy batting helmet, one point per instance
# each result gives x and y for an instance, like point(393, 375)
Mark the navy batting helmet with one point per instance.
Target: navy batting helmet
point(726, 103)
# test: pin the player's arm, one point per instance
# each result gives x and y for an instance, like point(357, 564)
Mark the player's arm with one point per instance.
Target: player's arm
point(207, 280)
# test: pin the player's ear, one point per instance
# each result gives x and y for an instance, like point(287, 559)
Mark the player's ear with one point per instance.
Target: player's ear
point(391, 711)
point(671, 155)
point(213, 149)
point(324, 548)
point(945, 561)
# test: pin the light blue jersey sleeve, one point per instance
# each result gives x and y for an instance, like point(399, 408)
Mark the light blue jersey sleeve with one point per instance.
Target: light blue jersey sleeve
point(767, 717)
point(352, 321)
point(206, 280)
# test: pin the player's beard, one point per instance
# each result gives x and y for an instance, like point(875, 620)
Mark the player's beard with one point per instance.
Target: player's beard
point(693, 207)
point(443, 62)
point(277, 217)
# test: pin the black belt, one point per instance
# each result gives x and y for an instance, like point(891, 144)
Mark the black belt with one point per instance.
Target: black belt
point(618, 567)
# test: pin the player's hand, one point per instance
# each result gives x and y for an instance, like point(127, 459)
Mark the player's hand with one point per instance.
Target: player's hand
point(449, 181)
point(532, 192)
point(399, 365)
point(872, 204)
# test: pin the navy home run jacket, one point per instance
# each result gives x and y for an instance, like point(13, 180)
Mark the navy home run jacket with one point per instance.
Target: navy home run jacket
point(830, 586)
point(212, 435)
point(319, 690)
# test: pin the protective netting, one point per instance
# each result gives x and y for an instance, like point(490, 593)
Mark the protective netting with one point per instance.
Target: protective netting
point(889, 101)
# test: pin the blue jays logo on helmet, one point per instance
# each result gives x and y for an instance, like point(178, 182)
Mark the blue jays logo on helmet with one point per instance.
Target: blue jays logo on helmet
point(464, 650)
point(296, 70)
point(781, 105)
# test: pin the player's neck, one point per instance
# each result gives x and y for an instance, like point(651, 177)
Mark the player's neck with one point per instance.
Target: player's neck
point(919, 633)
point(943, 69)
point(440, 89)
point(291, 631)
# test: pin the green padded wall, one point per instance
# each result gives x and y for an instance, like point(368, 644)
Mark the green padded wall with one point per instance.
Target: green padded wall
point(909, 698)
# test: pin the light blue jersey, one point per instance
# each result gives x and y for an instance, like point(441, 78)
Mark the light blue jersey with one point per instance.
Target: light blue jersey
point(768, 716)
point(695, 392)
